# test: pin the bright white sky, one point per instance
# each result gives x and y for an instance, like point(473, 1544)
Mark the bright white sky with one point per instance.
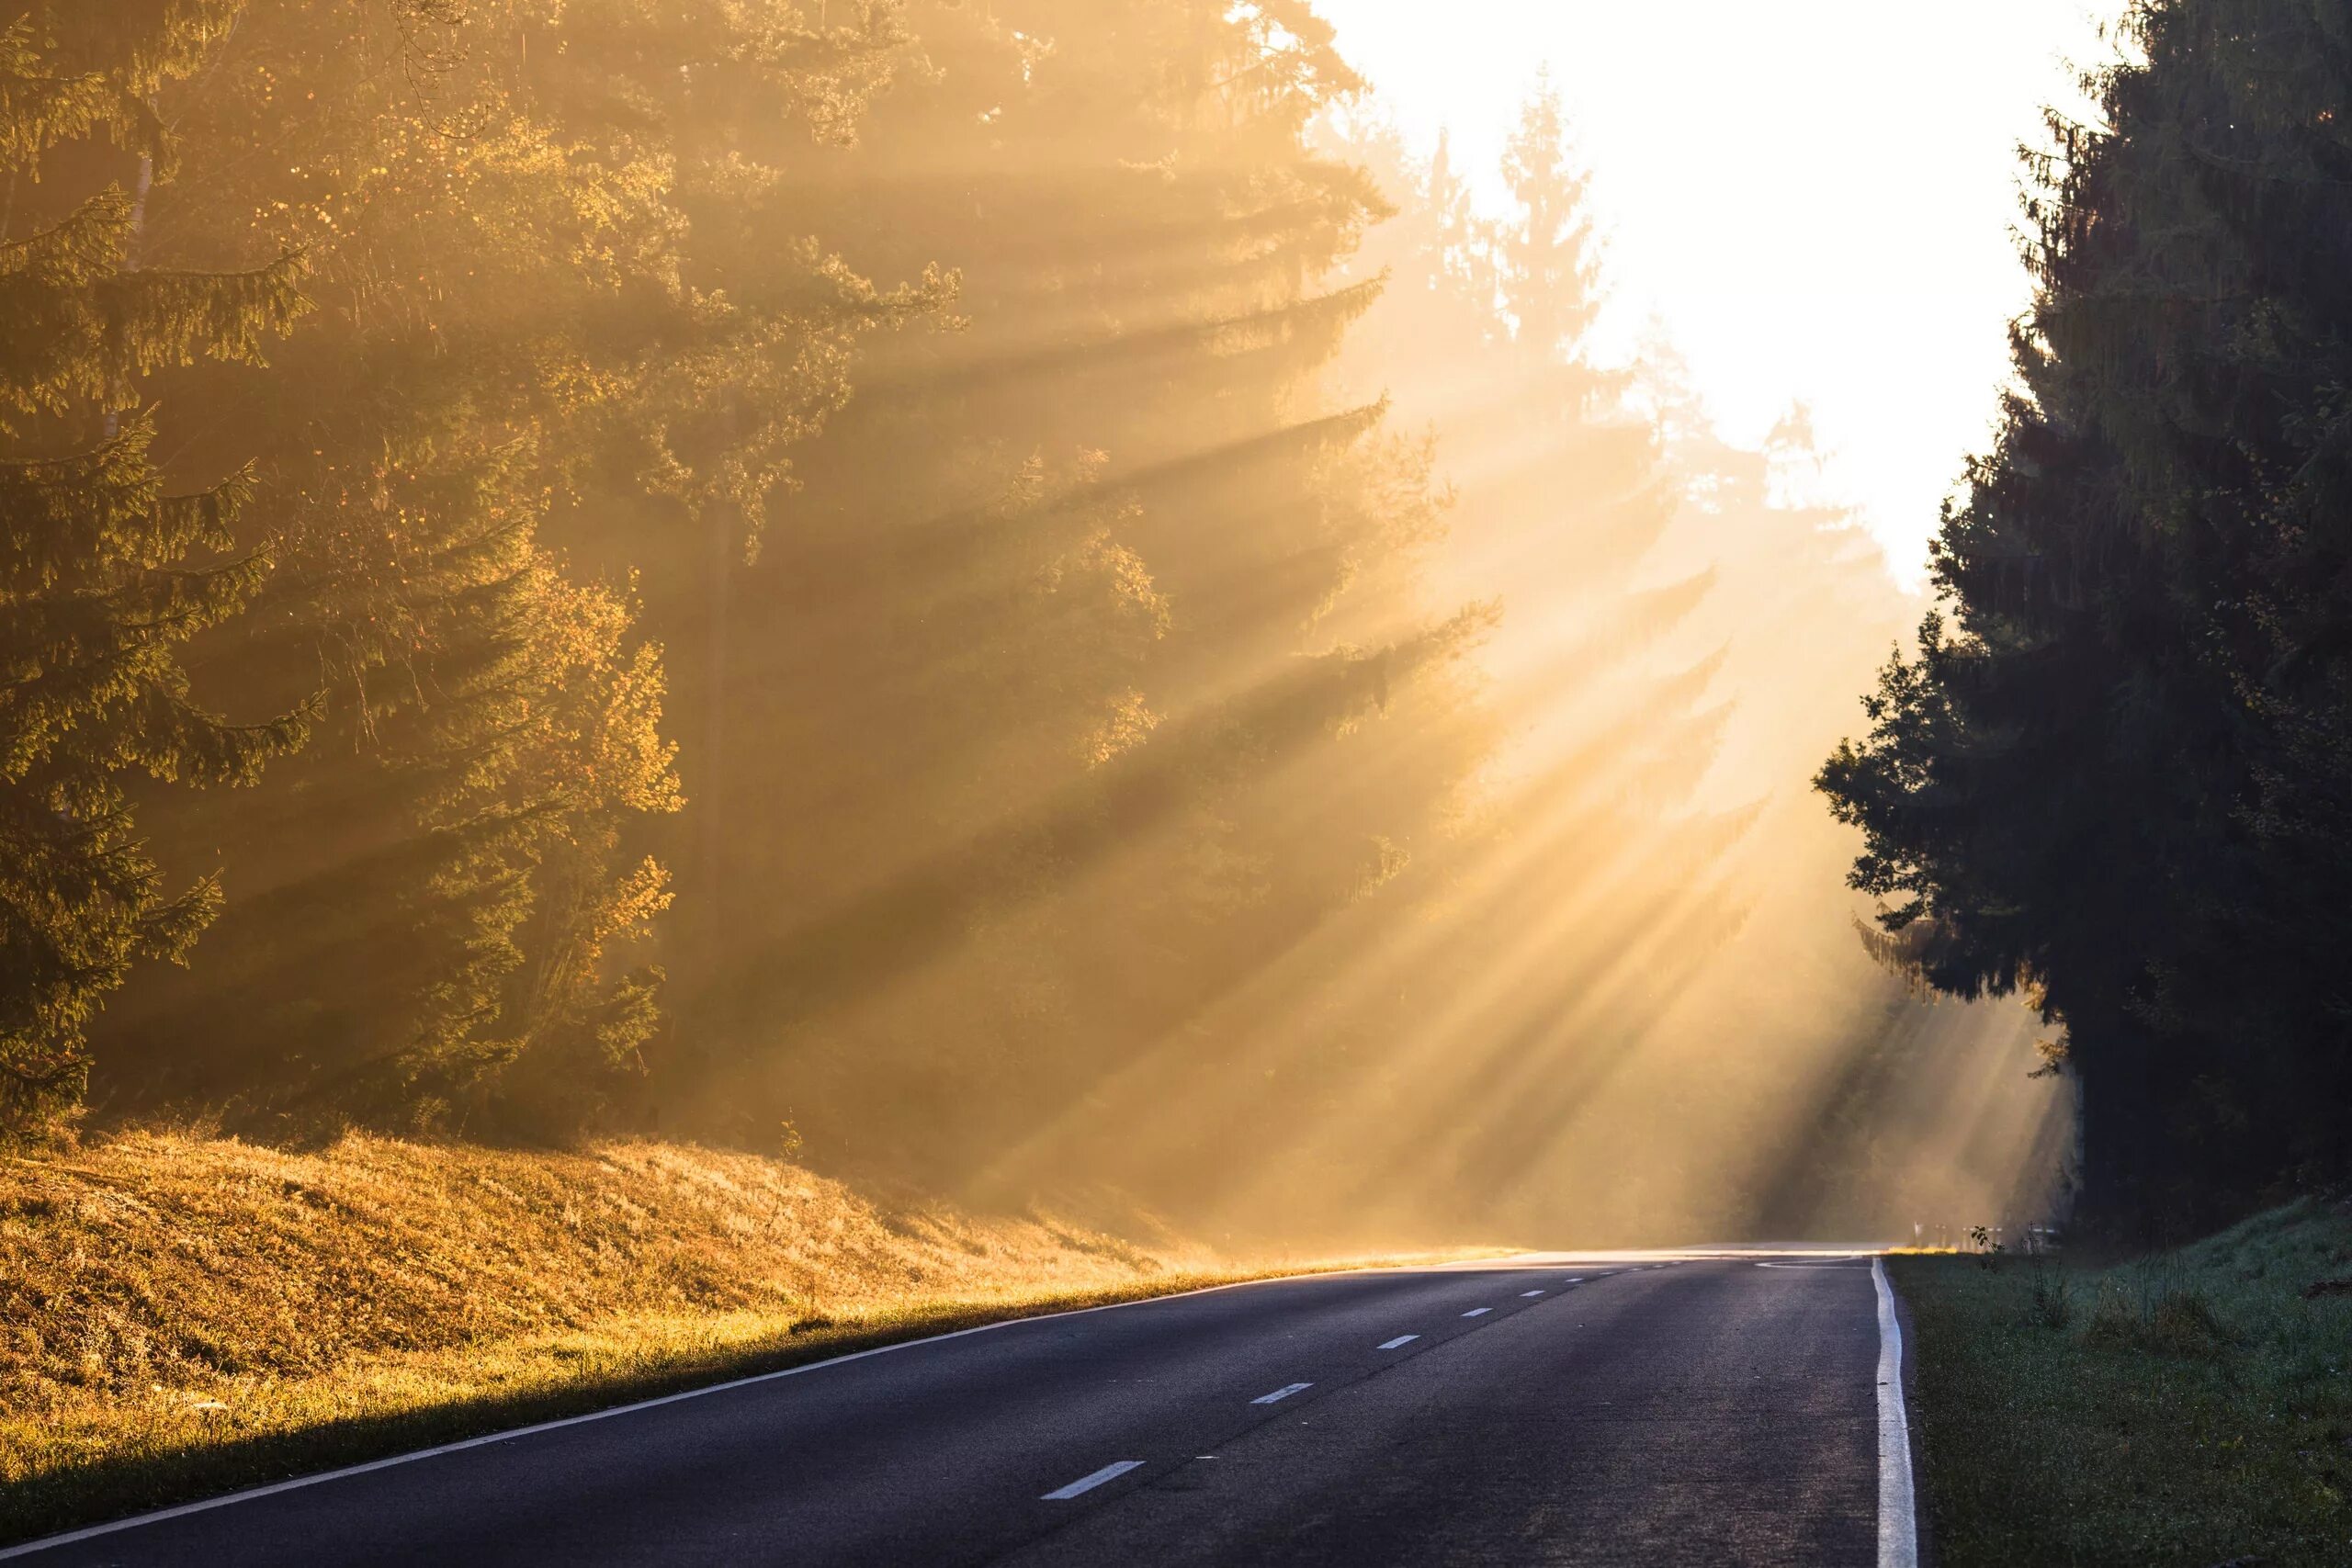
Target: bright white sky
point(1815, 198)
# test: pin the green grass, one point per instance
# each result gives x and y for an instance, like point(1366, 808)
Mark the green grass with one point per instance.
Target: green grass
point(2190, 1407)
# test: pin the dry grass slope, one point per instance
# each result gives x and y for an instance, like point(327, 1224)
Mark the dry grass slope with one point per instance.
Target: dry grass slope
point(181, 1315)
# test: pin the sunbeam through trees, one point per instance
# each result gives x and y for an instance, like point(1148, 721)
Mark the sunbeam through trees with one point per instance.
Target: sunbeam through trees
point(1022, 597)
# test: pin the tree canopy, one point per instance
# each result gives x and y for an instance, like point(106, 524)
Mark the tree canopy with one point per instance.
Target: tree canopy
point(2113, 775)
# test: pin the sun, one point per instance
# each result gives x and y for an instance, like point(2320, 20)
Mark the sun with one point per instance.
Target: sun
point(1813, 202)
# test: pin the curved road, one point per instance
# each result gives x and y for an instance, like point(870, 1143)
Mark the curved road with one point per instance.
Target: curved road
point(1710, 1410)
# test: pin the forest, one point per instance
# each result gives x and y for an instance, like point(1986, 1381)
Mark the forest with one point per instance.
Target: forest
point(1021, 595)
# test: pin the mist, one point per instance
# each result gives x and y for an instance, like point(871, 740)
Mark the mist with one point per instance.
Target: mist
point(1021, 600)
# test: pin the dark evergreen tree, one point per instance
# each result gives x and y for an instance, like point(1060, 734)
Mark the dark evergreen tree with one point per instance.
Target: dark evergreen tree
point(2113, 775)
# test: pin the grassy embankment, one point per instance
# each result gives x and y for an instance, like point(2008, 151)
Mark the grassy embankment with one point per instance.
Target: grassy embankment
point(181, 1316)
point(2192, 1407)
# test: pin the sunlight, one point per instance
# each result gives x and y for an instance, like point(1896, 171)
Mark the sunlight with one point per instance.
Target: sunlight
point(1815, 201)
point(1030, 597)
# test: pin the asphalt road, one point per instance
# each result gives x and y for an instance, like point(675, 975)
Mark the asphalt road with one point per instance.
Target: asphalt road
point(1718, 1410)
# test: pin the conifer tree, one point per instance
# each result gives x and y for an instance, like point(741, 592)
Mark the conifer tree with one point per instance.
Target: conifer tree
point(104, 577)
point(1602, 684)
point(1582, 495)
point(2113, 776)
point(1550, 269)
point(1087, 583)
point(576, 336)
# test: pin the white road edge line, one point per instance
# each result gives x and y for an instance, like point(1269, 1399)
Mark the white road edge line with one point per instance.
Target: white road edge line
point(1477, 1312)
point(1086, 1484)
point(1282, 1394)
point(253, 1493)
point(1898, 1524)
point(1400, 1339)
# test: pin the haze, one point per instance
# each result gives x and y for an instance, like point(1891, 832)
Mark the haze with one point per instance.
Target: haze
point(1525, 773)
point(1020, 599)
point(1816, 202)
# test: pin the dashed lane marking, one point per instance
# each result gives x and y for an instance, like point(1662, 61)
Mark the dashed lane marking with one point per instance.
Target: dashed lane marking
point(1086, 1484)
point(1282, 1394)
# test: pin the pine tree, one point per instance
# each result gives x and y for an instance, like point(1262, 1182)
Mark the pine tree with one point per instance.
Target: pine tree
point(1551, 268)
point(2113, 776)
point(104, 577)
point(576, 339)
point(1595, 889)
point(1073, 613)
point(1582, 495)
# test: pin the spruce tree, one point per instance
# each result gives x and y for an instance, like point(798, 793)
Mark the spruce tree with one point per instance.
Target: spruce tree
point(104, 577)
point(575, 338)
point(1549, 253)
point(1074, 619)
point(2113, 775)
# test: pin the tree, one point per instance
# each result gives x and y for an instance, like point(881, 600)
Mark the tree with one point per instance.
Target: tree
point(572, 340)
point(1550, 265)
point(104, 577)
point(2111, 776)
point(1074, 608)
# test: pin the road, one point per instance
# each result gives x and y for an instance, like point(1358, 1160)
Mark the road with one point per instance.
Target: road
point(1712, 1410)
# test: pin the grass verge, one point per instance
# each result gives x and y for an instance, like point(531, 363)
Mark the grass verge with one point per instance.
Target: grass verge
point(181, 1317)
point(2190, 1407)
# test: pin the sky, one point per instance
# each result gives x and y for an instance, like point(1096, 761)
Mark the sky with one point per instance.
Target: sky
point(1814, 199)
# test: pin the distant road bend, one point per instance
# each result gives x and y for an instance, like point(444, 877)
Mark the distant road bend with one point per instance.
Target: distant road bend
point(1724, 1408)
